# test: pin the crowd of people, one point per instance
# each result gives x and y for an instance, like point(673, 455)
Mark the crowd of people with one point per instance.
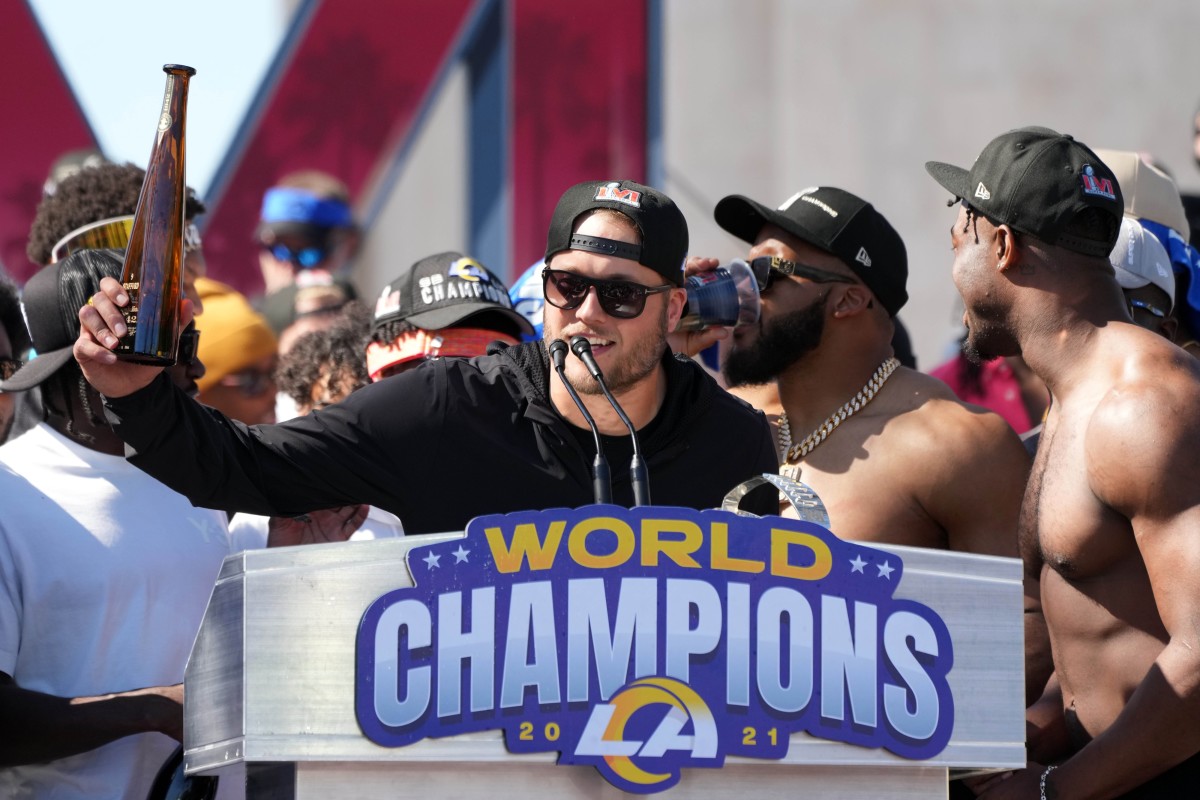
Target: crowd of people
point(309, 415)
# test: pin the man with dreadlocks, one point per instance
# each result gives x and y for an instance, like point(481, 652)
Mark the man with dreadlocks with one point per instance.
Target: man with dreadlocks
point(104, 573)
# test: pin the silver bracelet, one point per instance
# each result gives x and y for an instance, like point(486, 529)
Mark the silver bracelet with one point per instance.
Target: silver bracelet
point(1042, 782)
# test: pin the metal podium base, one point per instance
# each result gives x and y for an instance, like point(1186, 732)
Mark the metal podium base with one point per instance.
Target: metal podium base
point(502, 781)
point(270, 698)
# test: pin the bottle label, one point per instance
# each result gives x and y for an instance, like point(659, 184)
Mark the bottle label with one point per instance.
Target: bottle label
point(164, 119)
point(130, 312)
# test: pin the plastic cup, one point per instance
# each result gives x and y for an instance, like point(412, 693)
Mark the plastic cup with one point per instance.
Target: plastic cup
point(726, 296)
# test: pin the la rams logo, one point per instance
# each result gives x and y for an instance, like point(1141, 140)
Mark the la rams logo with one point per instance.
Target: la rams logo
point(468, 269)
point(628, 737)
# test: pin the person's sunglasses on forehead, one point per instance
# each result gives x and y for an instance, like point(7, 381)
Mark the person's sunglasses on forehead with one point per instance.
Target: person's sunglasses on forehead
point(113, 234)
point(766, 268)
point(620, 299)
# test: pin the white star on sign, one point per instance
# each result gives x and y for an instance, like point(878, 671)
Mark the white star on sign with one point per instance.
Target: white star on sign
point(431, 560)
point(460, 555)
point(885, 571)
point(857, 564)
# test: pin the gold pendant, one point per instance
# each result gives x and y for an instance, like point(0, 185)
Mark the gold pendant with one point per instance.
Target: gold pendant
point(791, 471)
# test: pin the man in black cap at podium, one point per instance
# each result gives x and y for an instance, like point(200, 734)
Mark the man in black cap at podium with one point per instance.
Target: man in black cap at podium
point(458, 438)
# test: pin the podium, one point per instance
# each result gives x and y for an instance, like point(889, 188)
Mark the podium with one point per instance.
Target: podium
point(270, 695)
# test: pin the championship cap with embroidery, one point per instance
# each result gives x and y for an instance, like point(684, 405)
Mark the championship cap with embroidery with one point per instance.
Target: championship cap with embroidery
point(51, 301)
point(837, 222)
point(1140, 260)
point(1038, 181)
point(447, 289)
point(456, 307)
point(662, 226)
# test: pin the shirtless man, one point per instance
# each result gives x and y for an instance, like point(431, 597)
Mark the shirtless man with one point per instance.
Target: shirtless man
point(825, 333)
point(912, 465)
point(1113, 505)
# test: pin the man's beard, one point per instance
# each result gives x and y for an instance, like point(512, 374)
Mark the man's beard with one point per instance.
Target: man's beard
point(642, 359)
point(973, 351)
point(779, 344)
point(986, 340)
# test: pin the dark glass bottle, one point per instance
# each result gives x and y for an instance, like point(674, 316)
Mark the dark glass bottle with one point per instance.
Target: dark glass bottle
point(172, 784)
point(154, 257)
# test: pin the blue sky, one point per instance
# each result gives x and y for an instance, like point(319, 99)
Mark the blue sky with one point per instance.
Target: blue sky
point(112, 53)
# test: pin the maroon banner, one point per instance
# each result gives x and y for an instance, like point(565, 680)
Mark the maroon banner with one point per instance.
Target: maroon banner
point(341, 101)
point(579, 106)
point(345, 95)
point(42, 121)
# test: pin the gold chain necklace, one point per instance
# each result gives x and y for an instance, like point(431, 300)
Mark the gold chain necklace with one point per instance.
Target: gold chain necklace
point(792, 452)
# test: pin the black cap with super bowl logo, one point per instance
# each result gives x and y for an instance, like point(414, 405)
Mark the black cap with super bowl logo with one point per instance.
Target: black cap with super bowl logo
point(1037, 181)
point(837, 222)
point(449, 289)
point(662, 226)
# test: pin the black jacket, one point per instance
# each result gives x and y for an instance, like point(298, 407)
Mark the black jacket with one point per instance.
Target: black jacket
point(441, 444)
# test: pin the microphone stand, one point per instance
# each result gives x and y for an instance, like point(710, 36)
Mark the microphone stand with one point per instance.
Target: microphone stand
point(601, 476)
point(638, 475)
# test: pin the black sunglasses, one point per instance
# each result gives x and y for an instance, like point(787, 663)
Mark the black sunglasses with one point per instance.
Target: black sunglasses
point(765, 268)
point(189, 346)
point(620, 299)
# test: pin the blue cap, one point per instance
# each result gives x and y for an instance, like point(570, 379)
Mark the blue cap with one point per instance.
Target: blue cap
point(287, 205)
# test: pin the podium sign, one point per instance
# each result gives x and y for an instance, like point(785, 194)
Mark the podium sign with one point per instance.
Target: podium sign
point(649, 647)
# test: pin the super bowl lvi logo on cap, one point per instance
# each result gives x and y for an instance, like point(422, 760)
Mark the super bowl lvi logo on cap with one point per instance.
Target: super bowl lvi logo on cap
point(1103, 187)
point(388, 302)
point(613, 191)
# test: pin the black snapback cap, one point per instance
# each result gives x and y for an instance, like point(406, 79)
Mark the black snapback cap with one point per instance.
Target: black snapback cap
point(1037, 181)
point(51, 301)
point(837, 222)
point(664, 230)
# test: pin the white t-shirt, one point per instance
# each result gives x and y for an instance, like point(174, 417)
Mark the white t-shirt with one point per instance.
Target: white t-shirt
point(104, 577)
point(249, 531)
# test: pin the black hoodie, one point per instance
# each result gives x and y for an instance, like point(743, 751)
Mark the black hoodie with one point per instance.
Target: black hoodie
point(443, 443)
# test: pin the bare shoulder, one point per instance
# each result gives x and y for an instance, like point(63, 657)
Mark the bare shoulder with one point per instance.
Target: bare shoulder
point(962, 464)
point(929, 415)
point(1142, 440)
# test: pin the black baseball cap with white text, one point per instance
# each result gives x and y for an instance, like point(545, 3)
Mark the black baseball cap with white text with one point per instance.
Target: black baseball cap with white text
point(837, 222)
